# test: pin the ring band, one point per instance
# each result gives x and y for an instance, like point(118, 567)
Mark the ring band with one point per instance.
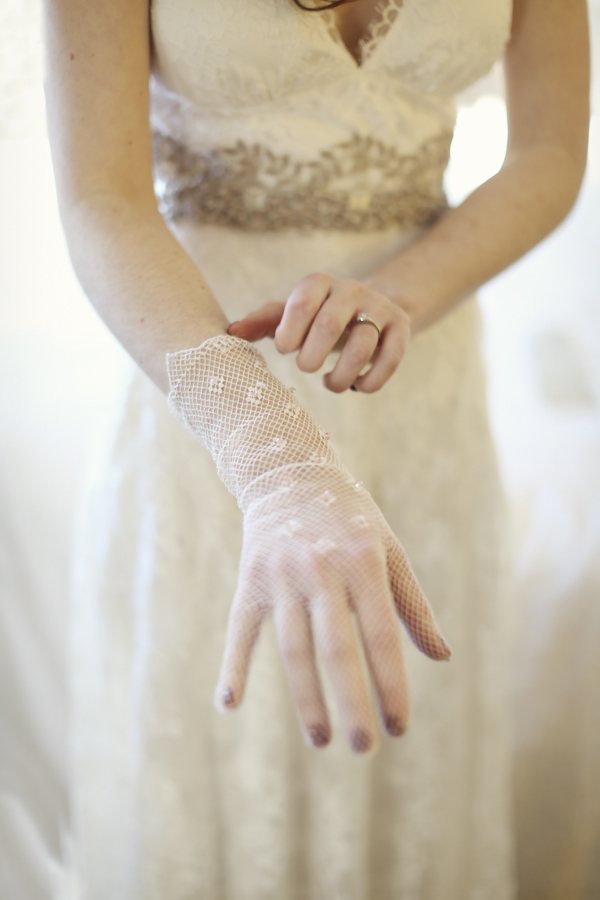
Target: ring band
point(363, 318)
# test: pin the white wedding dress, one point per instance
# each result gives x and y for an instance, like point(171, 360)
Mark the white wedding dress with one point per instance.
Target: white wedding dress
point(278, 155)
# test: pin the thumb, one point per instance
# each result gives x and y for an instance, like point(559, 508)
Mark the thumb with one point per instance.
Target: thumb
point(412, 607)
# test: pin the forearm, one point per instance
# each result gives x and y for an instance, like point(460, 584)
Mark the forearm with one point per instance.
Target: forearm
point(499, 222)
point(141, 281)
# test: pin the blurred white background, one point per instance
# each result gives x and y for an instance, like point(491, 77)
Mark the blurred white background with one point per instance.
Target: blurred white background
point(58, 370)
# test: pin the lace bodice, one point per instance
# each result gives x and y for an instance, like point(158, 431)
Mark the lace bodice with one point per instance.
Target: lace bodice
point(244, 91)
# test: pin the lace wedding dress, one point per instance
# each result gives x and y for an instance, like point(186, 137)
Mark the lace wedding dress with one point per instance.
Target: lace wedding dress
point(277, 155)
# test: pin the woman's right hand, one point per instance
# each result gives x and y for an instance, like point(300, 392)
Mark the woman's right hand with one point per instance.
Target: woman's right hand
point(315, 553)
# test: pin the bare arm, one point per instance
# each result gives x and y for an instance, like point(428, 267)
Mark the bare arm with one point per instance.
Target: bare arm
point(547, 78)
point(143, 284)
point(547, 81)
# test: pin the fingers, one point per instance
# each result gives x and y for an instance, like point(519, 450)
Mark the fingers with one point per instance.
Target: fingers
point(391, 349)
point(412, 607)
point(243, 627)
point(258, 324)
point(335, 636)
point(301, 308)
point(318, 318)
point(381, 639)
point(294, 636)
point(329, 324)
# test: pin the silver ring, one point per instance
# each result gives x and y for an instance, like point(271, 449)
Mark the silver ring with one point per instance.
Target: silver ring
point(363, 318)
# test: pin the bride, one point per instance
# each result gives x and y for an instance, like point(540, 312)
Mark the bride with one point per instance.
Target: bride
point(252, 198)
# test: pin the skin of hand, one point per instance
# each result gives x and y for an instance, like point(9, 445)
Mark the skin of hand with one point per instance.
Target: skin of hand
point(546, 65)
point(317, 319)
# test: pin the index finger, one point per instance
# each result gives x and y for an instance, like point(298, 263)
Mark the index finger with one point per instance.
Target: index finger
point(301, 307)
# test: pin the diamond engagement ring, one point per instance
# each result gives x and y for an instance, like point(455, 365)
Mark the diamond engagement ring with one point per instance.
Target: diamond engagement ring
point(364, 318)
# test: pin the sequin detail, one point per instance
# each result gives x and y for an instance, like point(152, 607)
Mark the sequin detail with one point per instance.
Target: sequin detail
point(360, 521)
point(357, 185)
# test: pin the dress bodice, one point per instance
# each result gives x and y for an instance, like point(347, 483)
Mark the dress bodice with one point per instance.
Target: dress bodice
point(258, 106)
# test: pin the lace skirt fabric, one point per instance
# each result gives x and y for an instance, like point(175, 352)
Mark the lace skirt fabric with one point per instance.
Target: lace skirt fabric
point(175, 801)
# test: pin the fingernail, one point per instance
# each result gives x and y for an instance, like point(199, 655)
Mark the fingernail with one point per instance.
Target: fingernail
point(360, 740)
point(227, 697)
point(394, 726)
point(353, 387)
point(319, 735)
point(233, 324)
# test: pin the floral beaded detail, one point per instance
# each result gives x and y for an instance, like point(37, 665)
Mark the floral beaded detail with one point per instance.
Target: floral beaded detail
point(361, 184)
point(324, 545)
point(255, 393)
point(216, 384)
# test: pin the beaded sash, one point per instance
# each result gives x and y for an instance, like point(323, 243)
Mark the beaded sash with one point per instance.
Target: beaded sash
point(359, 185)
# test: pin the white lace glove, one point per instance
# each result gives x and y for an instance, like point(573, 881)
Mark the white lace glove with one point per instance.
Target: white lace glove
point(316, 547)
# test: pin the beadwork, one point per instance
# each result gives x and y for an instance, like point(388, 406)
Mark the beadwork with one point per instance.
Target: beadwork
point(358, 185)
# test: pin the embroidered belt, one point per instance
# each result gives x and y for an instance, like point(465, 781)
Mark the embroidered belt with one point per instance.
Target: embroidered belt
point(359, 185)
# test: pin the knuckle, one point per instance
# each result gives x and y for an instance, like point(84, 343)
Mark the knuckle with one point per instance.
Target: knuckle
point(381, 305)
point(401, 320)
point(390, 361)
point(303, 304)
point(355, 288)
point(323, 568)
point(254, 571)
point(367, 555)
point(357, 355)
point(336, 649)
point(291, 648)
point(316, 279)
point(329, 325)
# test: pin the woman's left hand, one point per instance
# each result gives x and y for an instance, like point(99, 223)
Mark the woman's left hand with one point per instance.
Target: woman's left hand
point(320, 316)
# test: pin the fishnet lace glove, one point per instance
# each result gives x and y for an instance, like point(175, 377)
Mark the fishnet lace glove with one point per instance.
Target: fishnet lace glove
point(316, 547)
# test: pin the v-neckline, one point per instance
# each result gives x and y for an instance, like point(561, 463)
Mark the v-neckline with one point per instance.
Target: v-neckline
point(372, 40)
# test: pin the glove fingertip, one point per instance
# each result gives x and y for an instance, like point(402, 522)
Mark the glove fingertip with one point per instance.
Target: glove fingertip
point(447, 648)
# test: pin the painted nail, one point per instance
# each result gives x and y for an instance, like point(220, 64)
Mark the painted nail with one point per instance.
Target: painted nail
point(227, 697)
point(393, 726)
point(360, 740)
point(319, 735)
